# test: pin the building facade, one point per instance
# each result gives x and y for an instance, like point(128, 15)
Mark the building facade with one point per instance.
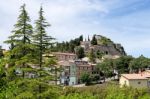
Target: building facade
point(135, 80)
point(65, 56)
point(73, 70)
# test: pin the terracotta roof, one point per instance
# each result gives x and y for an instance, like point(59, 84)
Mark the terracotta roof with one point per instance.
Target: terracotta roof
point(147, 72)
point(136, 76)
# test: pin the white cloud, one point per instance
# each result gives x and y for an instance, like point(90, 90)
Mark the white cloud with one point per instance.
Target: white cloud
point(71, 18)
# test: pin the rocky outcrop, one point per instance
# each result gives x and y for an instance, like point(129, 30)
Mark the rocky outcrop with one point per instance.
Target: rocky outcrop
point(105, 46)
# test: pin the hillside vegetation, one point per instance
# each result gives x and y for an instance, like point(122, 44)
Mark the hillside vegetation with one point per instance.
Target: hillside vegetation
point(108, 91)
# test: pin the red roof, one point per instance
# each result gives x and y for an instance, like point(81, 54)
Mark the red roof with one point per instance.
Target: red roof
point(136, 76)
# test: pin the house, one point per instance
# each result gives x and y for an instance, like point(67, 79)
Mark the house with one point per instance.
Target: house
point(83, 66)
point(65, 56)
point(141, 80)
point(73, 69)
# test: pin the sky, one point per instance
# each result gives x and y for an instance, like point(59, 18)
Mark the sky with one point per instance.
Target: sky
point(123, 21)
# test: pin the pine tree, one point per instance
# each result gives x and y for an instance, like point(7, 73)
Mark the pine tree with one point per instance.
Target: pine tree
point(23, 49)
point(20, 41)
point(41, 39)
point(43, 42)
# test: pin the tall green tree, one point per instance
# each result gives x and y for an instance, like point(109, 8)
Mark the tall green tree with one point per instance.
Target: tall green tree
point(94, 40)
point(34, 84)
point(80, 52)
point(106, 68)
point(41, 39)
point(20, 40)
point(92, 56)
point(81, 38)
point(42, 42)
point(139, 63)
point(122, 64)
point(85, 78)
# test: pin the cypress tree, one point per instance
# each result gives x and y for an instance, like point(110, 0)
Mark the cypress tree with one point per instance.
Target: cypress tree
point(94, 40)
point(81, 38)
point(88, 38)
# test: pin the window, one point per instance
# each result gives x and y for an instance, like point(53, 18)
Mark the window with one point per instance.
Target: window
point(139, 82)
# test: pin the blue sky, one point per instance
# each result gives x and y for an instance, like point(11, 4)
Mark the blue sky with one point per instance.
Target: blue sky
point(124, 21)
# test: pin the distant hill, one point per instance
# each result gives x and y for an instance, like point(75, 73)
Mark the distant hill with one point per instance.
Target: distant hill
point(103, 45)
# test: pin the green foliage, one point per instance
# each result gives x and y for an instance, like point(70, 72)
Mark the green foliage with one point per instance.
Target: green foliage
point(99, 54)
point(139, 63)
point(122, 64)
point(3, 82)
point(108, 91)
point(20, 40)
point(80, 52)
point(92, 56)
point(67, 46)
point(95, 77)
point(106, 68)
point(40, 37)
point(23, 54)
point(29, 89)
point(104, 41)
point(1, 52)
point(81, 38)
point(94, 40)
point(85, 78)
point(79, 96)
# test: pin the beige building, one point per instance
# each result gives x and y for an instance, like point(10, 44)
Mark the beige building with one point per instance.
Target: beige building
point(65, 56)
point(141, 80)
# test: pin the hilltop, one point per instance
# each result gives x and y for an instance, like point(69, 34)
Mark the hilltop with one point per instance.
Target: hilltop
point(98, 43)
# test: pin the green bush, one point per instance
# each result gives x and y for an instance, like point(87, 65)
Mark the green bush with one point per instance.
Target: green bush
point(107, 91)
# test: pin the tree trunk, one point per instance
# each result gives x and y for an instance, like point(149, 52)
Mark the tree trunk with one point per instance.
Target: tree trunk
point(55, 76)
point(104, 77)
point(40, 91)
